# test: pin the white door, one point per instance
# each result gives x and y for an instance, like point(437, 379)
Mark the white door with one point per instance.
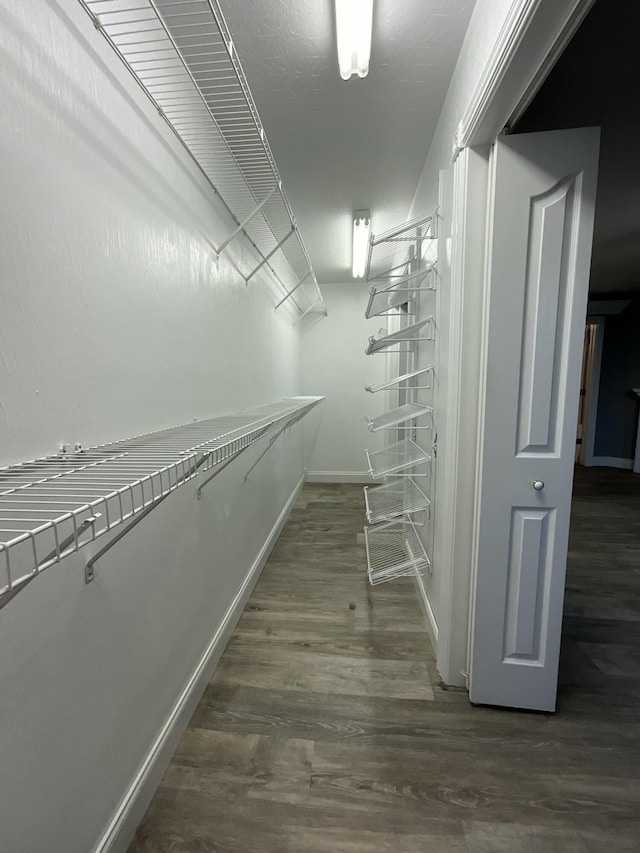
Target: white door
point(542, 194)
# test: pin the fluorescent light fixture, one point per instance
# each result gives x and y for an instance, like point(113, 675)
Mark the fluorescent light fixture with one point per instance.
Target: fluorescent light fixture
point(353, 26)
point(361, 232)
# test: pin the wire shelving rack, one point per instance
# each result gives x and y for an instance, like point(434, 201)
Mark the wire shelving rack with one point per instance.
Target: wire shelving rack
point(394, 499)
point(183, 56)
point(383, 297)
point(425, 374)
point(391, 253)
point(408, 334)
point(394, 550)
point(400, 415)
point(52, 506)
point(396, 457)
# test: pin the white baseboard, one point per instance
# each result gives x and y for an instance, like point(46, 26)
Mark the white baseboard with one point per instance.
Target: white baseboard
point(339, 477)
point(121, 829)
point(611, 462)
point(429, 616)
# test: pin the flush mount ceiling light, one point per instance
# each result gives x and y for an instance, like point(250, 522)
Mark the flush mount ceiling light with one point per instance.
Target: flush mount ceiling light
point(353, 27)
point(361, 232)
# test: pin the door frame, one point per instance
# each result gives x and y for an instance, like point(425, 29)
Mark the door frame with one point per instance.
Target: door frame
point(592, 389)
point(533, 36)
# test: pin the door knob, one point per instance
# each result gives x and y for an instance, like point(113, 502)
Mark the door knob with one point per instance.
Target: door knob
point(538, 485)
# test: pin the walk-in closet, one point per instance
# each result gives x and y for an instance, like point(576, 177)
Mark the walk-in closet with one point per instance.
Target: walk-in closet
point(292, 318)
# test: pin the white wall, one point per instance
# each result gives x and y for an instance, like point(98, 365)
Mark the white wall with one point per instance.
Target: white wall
point(334, 364)
point(485, 25)
point(116, 319)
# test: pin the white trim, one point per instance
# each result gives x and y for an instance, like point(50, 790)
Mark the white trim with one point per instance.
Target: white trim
point(504, 50)
point(450, 439)
point(561, 36)
point(533, 36)
point(429, 615)
point(455, 495)
point(133, 805)
point(592, 391)
point(482, 398)
point(636, 460)
point(361, 477)
point(612, 462)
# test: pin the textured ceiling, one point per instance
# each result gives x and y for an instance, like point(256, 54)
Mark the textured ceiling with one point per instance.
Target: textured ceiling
point(349, 145)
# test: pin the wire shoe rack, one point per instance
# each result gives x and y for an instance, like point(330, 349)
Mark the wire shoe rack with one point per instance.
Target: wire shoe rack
point(396, 457)
point(53, 506)
point(392, 251)
point(394, 550)
point(408, 334)
point(401, 266)
point(384, 298)
point(400, 415)
point(425, 375)
point(394, 499)
point(183, 56)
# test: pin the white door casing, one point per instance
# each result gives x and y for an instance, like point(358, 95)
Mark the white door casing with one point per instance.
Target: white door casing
point(542, 200)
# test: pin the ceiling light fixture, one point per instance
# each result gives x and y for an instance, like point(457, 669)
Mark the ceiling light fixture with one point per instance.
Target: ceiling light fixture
point(354, 20)
point(361, 232)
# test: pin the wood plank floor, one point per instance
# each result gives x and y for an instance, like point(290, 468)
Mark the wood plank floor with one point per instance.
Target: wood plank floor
point(325, 728)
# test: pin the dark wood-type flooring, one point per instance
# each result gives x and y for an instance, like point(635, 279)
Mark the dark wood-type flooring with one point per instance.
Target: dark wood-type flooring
point(325, 728)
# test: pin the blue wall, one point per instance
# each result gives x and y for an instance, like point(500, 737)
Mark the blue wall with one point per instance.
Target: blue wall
point(617, 407)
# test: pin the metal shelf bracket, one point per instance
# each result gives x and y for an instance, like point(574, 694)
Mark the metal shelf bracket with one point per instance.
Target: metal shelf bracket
point(248, 219)
point(270, 255)
point(293, 290)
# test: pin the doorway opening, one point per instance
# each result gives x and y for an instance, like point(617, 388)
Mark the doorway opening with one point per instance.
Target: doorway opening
point(589, 387)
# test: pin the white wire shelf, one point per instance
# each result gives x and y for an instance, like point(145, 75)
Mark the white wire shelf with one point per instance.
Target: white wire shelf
point(396, 457)
point(426, 374)
point(395, 252)
point(53, 506)
point(394, 550)
point(391, 500)
point(384, 298)
point(407, 412)
point(182, 55)
point(409, 334)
